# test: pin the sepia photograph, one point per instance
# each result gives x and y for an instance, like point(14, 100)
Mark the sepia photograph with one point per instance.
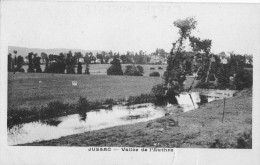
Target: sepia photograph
point(129, 76)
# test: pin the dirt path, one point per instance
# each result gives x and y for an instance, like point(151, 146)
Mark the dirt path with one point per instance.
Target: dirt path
point(201, 128)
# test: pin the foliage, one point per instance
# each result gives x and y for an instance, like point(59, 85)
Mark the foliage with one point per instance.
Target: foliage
point(79, 71)
point(132, 70)
point(87, 60)
point(19, 67)
point(159, 92)
point(37, 64)
point(54, 108)
point(160, 52)
point(185, 26)
point(178, 67)
point(243, 79)
point(242, 141)
point(10, 65)
point(57, 64)
point(143, 98)
point(83, 107)
point(154, 74)
point(140, 69)
point(205, 85)
point(30, 65)
point(115, 68)
point(70, 62)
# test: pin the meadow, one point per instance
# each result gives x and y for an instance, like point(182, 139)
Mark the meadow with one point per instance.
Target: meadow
point(26, 90)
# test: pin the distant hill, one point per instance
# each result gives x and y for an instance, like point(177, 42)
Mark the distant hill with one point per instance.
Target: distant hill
point(23, 51)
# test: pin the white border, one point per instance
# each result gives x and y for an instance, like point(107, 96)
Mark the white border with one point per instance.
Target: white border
point(80, 155)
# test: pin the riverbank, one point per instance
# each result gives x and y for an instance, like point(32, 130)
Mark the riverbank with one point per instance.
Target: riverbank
point(201, 128)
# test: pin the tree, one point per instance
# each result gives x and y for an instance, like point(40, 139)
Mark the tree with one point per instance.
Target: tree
point(70, 62)
point(37, 63)
point(243, 79)
point(115, 68)
point(30, 65)
point(20, 63)
point(78, 55)
point(15, 59)
point(204, 59)
point(175, 73)
point(44, 56)
point(46, 70)
point(160, 52)
point(87, 60)
point(79, 71)
point(10, 63)
point(101, 57)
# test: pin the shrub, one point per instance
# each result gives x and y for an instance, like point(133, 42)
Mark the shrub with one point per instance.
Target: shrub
point(152, 68)
point(140, 69)
point(83, 105)
point(143, 98)
point(54, 108)
point(160, 67)
point(131, 70)
point(16, 116)
point(154, 74)
point(109, 101)
point(159, 92)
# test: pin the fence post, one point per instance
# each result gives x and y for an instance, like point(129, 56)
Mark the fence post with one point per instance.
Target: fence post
point(223, 115)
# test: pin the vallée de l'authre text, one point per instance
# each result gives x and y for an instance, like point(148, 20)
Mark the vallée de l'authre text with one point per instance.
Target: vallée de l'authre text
point(131, 149)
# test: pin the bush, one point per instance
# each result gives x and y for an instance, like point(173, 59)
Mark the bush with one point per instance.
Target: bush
point(160, 67)
point(154, 74)
point(159, 92)
point(140, 69)
point(83, 105)
point(54, 108)
point(16, 116)
point(131, 70)
point(109, 101)
point(143, 98)
point(152, 68)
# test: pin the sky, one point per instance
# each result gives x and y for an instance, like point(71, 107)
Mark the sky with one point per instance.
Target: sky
point(128, 26)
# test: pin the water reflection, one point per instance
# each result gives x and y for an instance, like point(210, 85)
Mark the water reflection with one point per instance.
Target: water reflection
point(51, 122)
point(83, 116)
point(79, 123)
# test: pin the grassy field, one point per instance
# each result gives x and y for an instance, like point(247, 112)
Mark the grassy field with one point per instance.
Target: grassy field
point(201, 128)
point(24, 89)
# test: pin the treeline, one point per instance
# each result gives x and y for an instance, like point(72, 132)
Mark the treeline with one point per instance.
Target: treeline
point(72, 63)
